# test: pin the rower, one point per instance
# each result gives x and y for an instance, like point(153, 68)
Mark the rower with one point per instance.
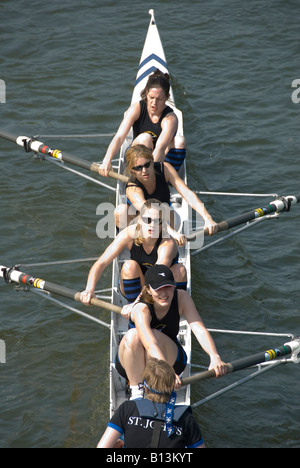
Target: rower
point(154, 321)
point(161, 424)
point(149, 179)
point(154, 124)
point(148, 243)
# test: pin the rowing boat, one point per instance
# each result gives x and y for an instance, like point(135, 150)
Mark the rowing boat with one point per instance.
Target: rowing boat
point(152, 57)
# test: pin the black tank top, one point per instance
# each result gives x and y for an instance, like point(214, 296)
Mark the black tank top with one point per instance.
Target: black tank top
point(162, 190)
point(145, 125)
point(145, 260)
point(169, 324)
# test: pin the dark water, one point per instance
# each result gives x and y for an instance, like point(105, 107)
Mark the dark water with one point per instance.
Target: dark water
point(70, 69)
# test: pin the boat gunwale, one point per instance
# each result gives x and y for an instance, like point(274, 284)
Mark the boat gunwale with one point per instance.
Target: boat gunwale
point(117, 383)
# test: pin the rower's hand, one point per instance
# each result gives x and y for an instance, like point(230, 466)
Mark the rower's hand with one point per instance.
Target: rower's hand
point(177, 383)
point(218, 365)
point(211, 226)
point(179, 238)
point(86, 296)
point(126, 311)
point(104, 168)
point(128, 308)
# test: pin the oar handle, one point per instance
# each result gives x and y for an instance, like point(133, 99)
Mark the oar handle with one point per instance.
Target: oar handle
point(203, 232)
point(16, 276)
point(210, 374)
point(222, 226)
point(37, 146)
point(114, 175)
point(102, 304)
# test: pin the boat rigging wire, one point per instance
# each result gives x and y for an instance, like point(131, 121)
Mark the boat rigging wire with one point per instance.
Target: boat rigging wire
point(232, 234)
point(234, 194)
point(58, 262)
point(48, 296)
point(62, 165)
point(93, 135)
point(237, 384)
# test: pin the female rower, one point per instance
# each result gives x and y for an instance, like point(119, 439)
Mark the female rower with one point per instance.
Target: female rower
point(148, 243)
point(149, 179)
point(154, 125)
point(154, 321)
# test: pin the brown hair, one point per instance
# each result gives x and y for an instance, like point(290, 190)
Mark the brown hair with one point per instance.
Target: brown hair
point(158, 79)
point(135, 152)
point(145, 296)
point(159, 376)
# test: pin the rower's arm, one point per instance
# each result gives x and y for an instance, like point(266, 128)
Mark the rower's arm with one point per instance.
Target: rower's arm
point(131, 115)
point(113, 250)
point(109, 438)
point(136, 196)
point(190, 197)
point(166, 252)
point(169, 127)
point(204, 338)
point(142, 319)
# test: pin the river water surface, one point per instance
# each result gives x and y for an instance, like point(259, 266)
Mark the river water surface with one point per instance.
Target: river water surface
point(69, 68)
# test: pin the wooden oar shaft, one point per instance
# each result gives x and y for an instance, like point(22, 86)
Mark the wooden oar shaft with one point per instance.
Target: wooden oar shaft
point(102, 304)
point(276, 206)
point(31, 144)
point(38, 283)
point(249, 361)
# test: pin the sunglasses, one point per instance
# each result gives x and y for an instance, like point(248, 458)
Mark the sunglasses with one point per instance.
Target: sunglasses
point(156, 221)
point(142, 166)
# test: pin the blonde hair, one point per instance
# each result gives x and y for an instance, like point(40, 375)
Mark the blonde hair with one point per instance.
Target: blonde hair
point(160, 377)
point(135, 152)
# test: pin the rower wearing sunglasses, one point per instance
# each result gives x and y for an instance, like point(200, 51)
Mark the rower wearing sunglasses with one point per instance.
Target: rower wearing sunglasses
point(149, 179)
point(149, 243)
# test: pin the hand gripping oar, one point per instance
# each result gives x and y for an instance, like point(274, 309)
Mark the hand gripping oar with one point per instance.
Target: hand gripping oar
point(31, 144)
point(13, 275)
point(292, 347)
point(276, 206)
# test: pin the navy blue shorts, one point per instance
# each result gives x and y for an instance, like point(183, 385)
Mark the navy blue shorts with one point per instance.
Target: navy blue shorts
point(178, 367)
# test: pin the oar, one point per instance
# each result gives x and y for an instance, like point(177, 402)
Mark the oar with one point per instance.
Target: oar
point(31, 144)
point(292, 347)
point(276, 206)
point(13, 275)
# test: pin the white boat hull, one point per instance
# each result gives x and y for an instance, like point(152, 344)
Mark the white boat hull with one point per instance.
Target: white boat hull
point(153, 57)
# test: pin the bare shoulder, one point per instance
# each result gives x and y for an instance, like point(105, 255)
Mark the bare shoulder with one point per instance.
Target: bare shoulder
point(168, 242)
point(140, 312)
point(133, 111)
point(187, 307)
point(171, 116)
point(183, 296)
point(183, 300)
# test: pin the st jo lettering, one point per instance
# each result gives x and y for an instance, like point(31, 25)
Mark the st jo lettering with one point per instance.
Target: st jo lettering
point(2, 92)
